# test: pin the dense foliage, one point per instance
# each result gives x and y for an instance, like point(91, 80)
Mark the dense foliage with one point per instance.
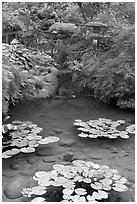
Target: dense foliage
point(111, 75)
point(101, 58)
point(26, 74)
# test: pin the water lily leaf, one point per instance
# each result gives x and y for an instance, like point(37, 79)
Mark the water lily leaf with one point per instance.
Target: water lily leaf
point(38, 199)
point(53, 139)
point(13, 152)
point(5, 156)
point(103, 194)
point(96, 185)
point(116, 177)
point(124, 136)
point(67, 191)
point(79, 163)
point(119, 187)
point(108, 175)
point(95, 166)
point(90, 198)
point(122, 180)
point(40, 174)
point(81, 199)
point(39, 190)
point(131, 129)
point(27, 149)
point(58, 166)
point(121, 121)
point(96, 196)
point(44, 141)
point(80, 191)
point(78, 178)
point(21, 143)
point(106, 181)
point(32, 125)
point(112, 136)
point(74, 198)
point(37, 130)
point(66, 197)
point(69, 175)
point(60, 180)
point(78, 120)
point(76, 124)
point(69, 184)
point(93, 136)
point(83, 129)
point(83, 135)
point(87, 180)
point(16, 122)
point(106, 187)
point(45, 182)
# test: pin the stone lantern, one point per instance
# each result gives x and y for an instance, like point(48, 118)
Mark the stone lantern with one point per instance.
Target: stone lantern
point(96, 30)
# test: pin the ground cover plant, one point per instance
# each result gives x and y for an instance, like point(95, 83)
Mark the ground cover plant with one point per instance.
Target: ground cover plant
point(103, 128)
point(22, 137)
point(83, 181)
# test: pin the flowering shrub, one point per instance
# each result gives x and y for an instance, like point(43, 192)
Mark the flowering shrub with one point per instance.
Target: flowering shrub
point(22, 137)
point(80, 182)
point(103, 128)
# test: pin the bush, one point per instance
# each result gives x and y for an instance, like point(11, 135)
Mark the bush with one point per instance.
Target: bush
point(24, 74)
point(111, 76)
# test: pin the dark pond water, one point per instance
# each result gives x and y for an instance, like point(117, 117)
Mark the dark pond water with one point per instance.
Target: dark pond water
point(56, 117)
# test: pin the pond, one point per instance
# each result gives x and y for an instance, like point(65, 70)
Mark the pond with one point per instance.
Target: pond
point(56, 117)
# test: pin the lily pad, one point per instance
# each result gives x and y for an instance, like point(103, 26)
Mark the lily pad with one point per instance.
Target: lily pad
point(96, 185)
point(27, 149)
point(38, 199)
point(80, 191)
point(103, 194)
point(67, 191)
point(39, 190)
point(119, 187)
point(96, 196)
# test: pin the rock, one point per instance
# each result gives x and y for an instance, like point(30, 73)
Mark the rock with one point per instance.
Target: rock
point(49, 159)
point(28, 172)
point(33, 159)
point(80, 156)
point(111, 157)
point(66, 142)
point(16, 165)
point(58, 131)
point(43, 151)
point(8, 173)
point(96, 156)
point(67, 157)
point(13, 189)
point(50, 132)
point(105, 146)
point(45, 166)
point(130, 168)
point(114, 150)
point(122, 154)
point(131, 178)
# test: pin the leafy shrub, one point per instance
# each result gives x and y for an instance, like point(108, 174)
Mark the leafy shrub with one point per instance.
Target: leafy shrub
point(24, 74)
point(111, 76)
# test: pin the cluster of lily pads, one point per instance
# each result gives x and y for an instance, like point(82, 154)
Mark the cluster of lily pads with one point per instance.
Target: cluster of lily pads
point(103, 128)
point(84, 181)
point(22, 137)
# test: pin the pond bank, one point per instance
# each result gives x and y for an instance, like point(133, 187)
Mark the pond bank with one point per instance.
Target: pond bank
point(56, 117)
